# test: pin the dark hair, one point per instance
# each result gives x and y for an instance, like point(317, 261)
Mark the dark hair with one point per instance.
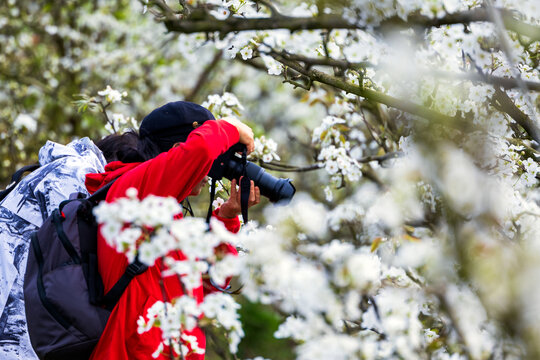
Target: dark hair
point(147, 148)
point(127, 147)
point(121, 147)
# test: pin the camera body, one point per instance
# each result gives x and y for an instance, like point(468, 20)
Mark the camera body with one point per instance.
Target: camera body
point(230, 165)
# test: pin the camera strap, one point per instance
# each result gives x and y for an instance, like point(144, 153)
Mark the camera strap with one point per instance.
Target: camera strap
point(245, 187)
point(212, 195)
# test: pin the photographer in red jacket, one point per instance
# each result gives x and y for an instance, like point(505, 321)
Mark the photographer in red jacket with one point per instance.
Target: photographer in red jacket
point(176, 147)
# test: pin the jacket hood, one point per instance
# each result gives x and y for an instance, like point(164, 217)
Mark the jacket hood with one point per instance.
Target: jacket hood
point(112, 171)
point(62, 172)
point(85, 147)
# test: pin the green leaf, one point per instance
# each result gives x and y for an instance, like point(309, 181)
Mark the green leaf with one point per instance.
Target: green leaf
point(324, 133)
point(375, 244)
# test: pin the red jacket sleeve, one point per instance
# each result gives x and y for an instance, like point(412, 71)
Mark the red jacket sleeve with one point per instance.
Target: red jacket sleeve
point(233, 225)
point(176, 172)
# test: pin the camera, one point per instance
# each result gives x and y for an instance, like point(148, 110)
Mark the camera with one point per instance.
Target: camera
point(230, 165)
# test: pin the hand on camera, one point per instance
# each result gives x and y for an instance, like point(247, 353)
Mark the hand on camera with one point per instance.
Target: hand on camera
point(246, 134)
point(232, 208)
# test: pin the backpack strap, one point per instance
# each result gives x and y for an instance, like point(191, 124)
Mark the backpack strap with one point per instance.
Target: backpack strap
point(111, 298)
point(16, 178)
point(101, 193)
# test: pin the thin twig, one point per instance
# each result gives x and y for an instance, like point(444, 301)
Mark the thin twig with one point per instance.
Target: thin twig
point(371, 131)
point(205, 74)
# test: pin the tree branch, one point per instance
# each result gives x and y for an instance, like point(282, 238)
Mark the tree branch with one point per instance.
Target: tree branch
point(506, 83)
point(203, 78)
point(381, 158)
point(502, 102)
point(275, 166)
point(329, 22)
point(165, 9)
point(288, 168)
point(403, 105)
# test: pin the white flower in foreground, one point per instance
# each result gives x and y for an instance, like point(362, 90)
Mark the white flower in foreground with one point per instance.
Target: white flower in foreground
point(300, 329)
point(126, 242)
point(463, 182)
point(193, 343)
point(335, 251)
point(223, 308)
point(193, 238)
point(213, 99)
point(362, 271)
point(158, 210)
point(331, 346)
point(229, 266)
point(430, 335)
point(308, 216)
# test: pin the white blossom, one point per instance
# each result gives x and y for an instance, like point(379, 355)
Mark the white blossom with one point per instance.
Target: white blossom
point(112, 95)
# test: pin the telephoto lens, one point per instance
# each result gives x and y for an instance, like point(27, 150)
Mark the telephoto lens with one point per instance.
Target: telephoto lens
point(229, 165)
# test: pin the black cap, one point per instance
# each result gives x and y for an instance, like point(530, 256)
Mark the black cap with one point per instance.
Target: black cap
point(172, 123)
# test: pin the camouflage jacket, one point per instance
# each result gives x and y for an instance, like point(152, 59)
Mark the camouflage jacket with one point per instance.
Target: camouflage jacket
point(62, 172)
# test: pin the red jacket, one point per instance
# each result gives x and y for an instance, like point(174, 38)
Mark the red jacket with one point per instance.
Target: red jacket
point(173, 173)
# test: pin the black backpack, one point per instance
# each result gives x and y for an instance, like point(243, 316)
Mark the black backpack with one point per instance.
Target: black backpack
point(66, 310)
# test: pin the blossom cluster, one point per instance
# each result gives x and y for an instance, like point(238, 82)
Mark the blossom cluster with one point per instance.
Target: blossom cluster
point(223, 105)
point(111, 95)
point(335, 150)
point(151, 213)
point(265, 149)
point(119, 122)
point(325, 287)
point(150, 229)
point(177, 319)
